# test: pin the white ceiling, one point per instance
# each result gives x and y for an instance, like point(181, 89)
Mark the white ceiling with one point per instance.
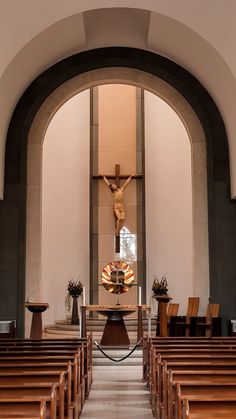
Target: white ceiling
point(199, 35)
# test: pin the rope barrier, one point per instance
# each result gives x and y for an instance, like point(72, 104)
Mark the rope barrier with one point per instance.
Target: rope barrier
point(113, 359)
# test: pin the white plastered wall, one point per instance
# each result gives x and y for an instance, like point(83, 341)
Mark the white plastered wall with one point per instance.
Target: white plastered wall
point(65, 203)
point(169, 215)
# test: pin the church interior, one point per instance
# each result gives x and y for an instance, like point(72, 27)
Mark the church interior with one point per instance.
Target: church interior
point(117, 209)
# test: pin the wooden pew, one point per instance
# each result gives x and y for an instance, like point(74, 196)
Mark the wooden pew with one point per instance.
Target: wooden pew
point(212, 380)
point(191, 377)
point(29, 379)
point(13, 404)
point(36, 393)
point(159, 386)
point(180, 342)
point(39, 357)
point(23, 366)
point(203, 393)
point(38, 411)
point(23, 355)
point(189, 339)
point(53, 356)
point(209, 409)
point(35, 344)
point(186, 359)
point(217, 361)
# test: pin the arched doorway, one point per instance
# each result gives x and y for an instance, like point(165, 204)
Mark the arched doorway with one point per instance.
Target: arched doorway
point(158, 75)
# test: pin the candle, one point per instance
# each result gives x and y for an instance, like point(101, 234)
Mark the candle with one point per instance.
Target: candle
point(83, 295)
point(80, 324)
point(149, 322)
point(139, 296)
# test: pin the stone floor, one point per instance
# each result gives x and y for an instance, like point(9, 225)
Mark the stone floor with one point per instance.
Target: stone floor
point(117, 392)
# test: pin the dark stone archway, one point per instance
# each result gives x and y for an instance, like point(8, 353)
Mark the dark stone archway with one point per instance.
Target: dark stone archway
point(221, 210)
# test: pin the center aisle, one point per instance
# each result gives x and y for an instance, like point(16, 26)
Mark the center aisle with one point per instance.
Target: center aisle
point(117, 392)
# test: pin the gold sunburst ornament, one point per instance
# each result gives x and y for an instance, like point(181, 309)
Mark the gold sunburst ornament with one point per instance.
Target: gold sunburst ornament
point(117, 277)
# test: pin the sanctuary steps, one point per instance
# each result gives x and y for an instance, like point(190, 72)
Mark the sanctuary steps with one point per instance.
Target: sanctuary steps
point(63, 328)
point(135, 359)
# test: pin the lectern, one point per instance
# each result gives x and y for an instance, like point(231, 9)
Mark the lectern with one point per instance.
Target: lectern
point(36, 326)
point(163, 300)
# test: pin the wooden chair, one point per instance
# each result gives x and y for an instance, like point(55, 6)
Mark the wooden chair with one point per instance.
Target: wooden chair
point(193, 306)
point(209, 325)
point(186, 325)
point(213, 310)
point(172, 310)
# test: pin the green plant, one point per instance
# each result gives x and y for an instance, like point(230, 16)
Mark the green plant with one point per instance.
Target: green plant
point(74, 290)
point(160, 287)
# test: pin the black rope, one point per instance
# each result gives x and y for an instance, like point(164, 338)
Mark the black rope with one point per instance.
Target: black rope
point(117, 360)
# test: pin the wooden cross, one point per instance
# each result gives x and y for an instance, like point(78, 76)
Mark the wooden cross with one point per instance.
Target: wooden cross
point(117, 177)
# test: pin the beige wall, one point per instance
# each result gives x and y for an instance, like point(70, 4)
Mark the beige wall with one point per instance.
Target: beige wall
point(169, 220)
point(65, 204)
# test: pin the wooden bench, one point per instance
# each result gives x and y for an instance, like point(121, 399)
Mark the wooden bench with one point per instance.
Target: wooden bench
point(212, 358)
point(185, 360)
point(210, 381)
point(28, 379)
point(26, 404)
point(206, 394)
point(32, 410)
point(12, 344)
point(54, 353)
point(44, 378)
point(158, 383)
point(208, 409)
point(43, 361)
point(40, 364)
point(180, 342)
point(26, 356)
point(212, 355)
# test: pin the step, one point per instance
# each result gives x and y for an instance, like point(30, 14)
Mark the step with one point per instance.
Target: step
point(117, 353)
point(126, 362)
point(98, 326)
point(63, 328)
point(136, 358)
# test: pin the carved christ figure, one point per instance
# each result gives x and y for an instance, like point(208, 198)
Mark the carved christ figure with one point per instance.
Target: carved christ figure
point(118, 196)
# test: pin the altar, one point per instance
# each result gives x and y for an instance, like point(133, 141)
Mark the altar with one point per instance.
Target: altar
point(115, 333)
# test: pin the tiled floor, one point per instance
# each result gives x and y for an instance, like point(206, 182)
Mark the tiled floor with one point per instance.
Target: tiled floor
point(117, 392)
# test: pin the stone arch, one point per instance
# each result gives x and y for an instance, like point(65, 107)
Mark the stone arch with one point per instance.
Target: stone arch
point(123, 65)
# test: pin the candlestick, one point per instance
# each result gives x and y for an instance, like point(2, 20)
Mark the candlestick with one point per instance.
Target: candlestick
point(139, 296)
point(80, 324)
point(83, 295)
point(149, 322)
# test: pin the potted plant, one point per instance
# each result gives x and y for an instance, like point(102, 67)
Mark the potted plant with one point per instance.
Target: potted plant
point(160, 293)
point(160, 287)
point(74, 290)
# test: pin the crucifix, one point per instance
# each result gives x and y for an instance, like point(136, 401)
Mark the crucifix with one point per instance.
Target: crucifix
point(118, 191)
